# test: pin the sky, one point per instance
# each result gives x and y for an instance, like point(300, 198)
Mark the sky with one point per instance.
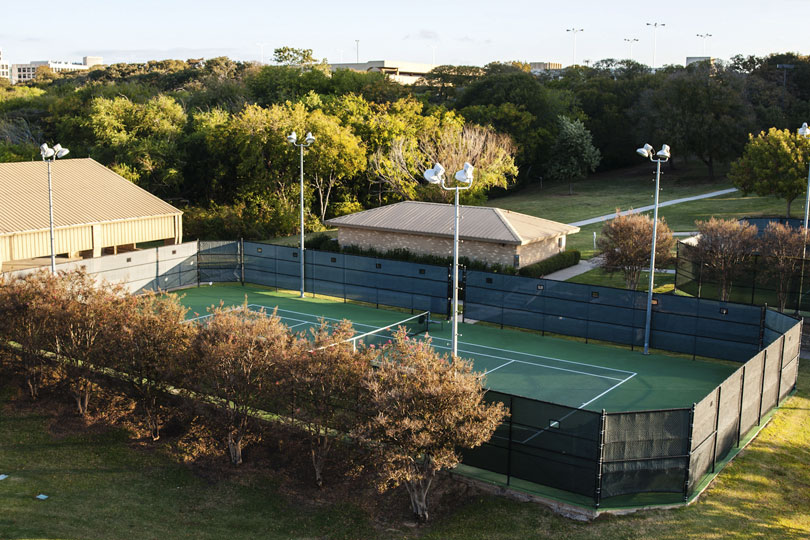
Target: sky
point(472, 32)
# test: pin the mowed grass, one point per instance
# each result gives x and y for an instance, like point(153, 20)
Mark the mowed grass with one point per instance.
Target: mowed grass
point(100, 486)
point(602, 278)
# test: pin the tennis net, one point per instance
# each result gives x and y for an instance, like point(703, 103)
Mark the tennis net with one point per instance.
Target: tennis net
point(415, 325)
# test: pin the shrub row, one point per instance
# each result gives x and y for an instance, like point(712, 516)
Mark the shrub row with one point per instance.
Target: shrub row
point(562, 260)
point(407, 408)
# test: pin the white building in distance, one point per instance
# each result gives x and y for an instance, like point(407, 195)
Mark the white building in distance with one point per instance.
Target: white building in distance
point(26, 72)
point(5, 69)
point(401, 72)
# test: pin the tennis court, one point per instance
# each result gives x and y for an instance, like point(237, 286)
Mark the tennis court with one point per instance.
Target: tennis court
point(553, 369)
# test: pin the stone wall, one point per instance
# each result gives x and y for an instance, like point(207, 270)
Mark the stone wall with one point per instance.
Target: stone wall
point(492, 253)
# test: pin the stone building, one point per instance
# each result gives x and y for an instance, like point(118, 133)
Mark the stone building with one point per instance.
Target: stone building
point(492, 235)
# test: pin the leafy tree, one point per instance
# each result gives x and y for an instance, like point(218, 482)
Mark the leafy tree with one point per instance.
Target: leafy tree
point(773, 163)
point(573, 155)
point(290, 56)
point(324, 376)
point(446, 80)
point(701, 109)
point(626, 243)
point(723, 247)
point(26, 319)
point(422, 409)
point(237, 353)
point(781, 248)
point(146, 347)
point(83, 311)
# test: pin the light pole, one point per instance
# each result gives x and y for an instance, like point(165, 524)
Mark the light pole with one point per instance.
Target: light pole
point(659, 158)
point(704, 37)
point(574, 31)
point(804, 131)
point(464, 177)
point(261, 52)
point(49, 155)
point(655, 39)
point(308, 140)
point(357, 49)
point(631, 41)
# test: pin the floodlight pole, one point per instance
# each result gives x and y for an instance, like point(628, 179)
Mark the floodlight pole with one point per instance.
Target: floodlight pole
point(49, 155)
point(804, 132)
point(50, 214)
point(307, 142)
point(464, 178)
point(655, 39)
point(658, 159)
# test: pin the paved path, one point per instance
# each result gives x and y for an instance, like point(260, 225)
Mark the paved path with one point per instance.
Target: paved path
point(586, 266)
point(606, 217)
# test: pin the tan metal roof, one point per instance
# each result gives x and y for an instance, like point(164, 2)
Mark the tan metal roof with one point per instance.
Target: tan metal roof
point(84, 191)
point(481, 223)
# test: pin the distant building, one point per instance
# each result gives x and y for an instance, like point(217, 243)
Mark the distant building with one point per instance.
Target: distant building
point(95, 212)
point(487, 234)
point(537, 67)
point(26, 72)
point(401, 72)
point(695, 59)
point(5, 69)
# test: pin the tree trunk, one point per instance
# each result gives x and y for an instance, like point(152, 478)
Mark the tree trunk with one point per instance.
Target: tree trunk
point(710, 164)
point(152, 417)
point(418, 493)
point(570, 188)
point(81, 394)
point(235, 447)
point(788, 208)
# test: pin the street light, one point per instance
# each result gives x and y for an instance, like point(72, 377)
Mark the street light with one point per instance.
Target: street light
point(49, 155)
point(308, 140)
point(704, 37)
point(465, 178)
point(575, 31)
point(804, 131)
point(662, 156)
point(655, 38)
point(631, 41)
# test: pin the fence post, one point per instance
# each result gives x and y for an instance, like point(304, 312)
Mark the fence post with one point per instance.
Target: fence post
point(509, 444)
point(762, 326)
point(677, 259)
point(689, 453)
point(779, 373)
point(762, 388)
point(739, 416)
point(198, 263)
point(716, 425)
point(242, 259)
point(597, 496)
point(700, 279)
point(754, 280)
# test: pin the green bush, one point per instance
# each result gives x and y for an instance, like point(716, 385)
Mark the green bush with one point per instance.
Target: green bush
point(565, 259)
point(552, 264)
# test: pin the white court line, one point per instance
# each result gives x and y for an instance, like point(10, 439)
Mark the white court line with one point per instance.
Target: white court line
point(581, 407)
point(499, 367)
point(535, 356)
point(270, 309)
point(509, 360)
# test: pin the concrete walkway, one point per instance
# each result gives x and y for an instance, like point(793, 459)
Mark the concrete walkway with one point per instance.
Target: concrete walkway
point(649, 207)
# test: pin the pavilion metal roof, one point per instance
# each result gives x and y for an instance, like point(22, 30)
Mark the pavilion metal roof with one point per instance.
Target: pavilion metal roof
point(481, 223)
point(84, 191)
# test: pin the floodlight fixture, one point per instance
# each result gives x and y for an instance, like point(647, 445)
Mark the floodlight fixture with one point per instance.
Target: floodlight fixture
point(663, 153)
point(292, 137)
point(645, 151)
point(309, 138)
point(435, 175)
point(465, 175)
point(804, 131)
point(46, 152)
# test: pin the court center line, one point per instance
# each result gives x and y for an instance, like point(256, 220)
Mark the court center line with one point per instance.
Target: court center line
point(581, 407)
point(499, 367)
point(534, 355)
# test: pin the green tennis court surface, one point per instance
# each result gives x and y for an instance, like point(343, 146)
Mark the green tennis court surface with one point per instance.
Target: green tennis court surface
point(558, 370)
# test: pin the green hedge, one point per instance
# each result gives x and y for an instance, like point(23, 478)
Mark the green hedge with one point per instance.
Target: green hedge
point(562, 260)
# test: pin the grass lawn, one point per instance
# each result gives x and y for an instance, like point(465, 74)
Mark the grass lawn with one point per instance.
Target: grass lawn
point(101, 485)
point(603, 279)
point(602, 193)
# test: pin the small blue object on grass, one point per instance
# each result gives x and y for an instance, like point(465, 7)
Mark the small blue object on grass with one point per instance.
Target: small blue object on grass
point(42, 497)
point(3, 476)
